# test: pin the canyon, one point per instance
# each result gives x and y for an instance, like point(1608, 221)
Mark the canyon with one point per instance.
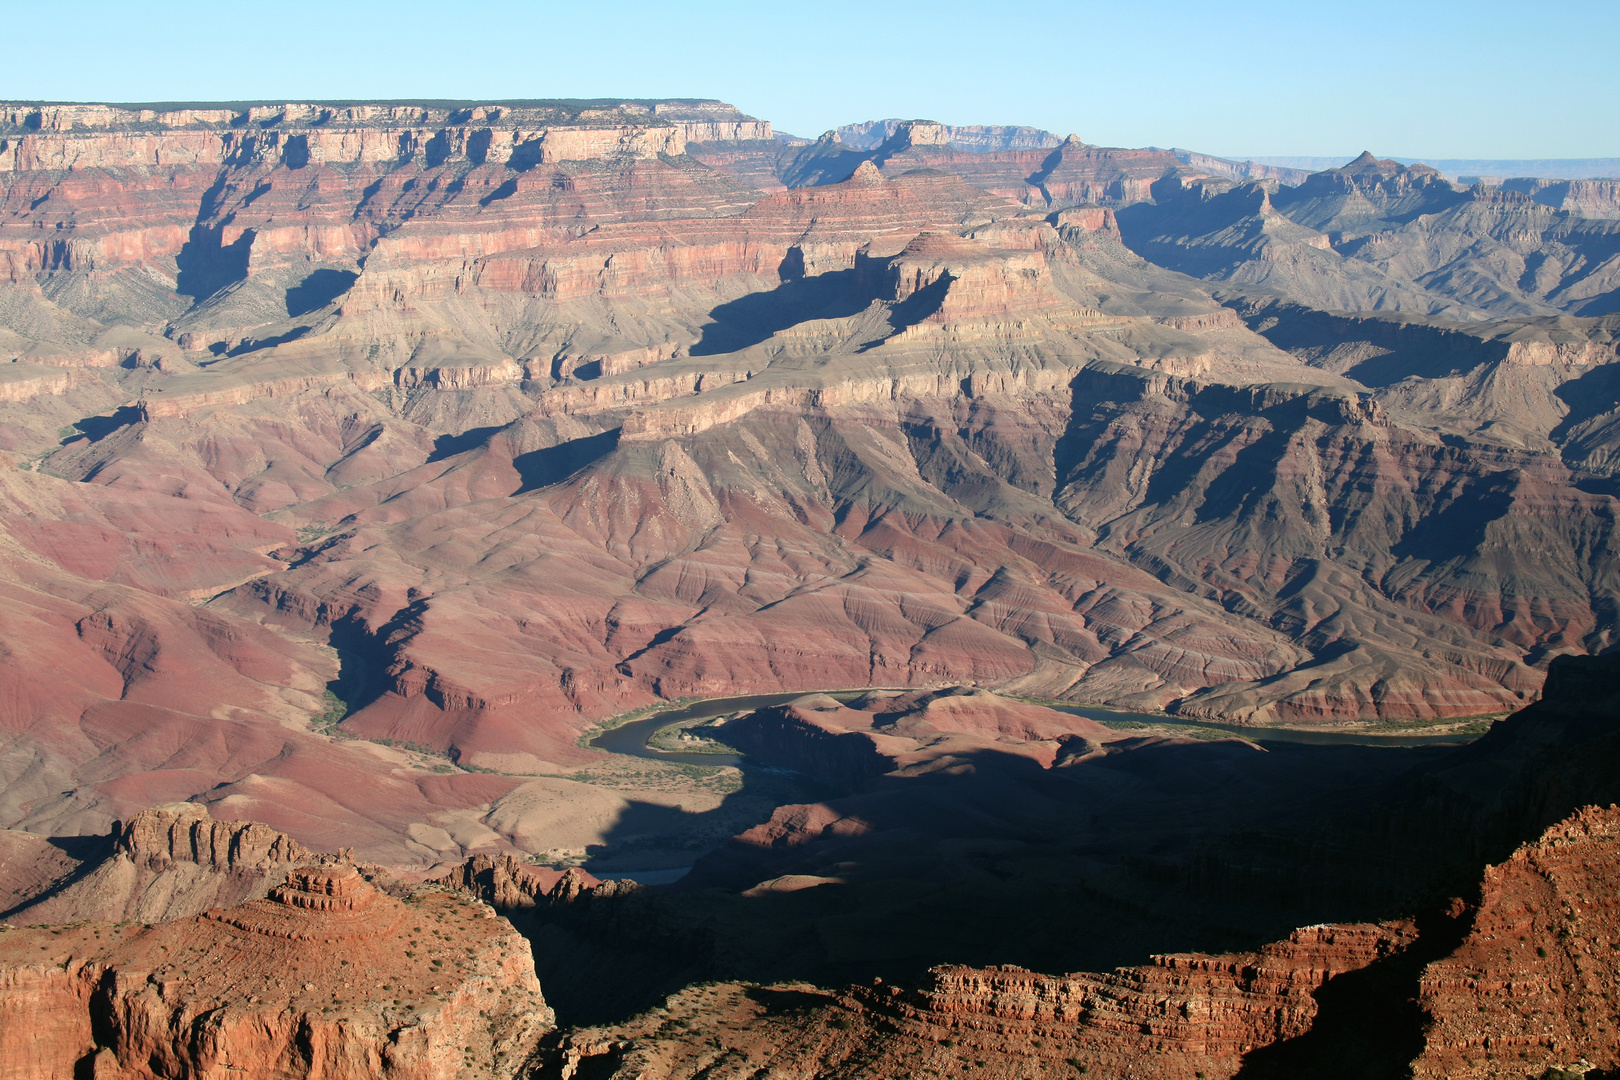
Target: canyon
point(361, 463)
point(315, 975)
point(1505, 972)
point(335, 967)
point(498, 421)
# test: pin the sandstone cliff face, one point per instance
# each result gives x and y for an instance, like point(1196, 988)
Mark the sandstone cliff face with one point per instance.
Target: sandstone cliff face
point(1533, 986)
point(326, 977)
point(1522, 985)
point(1183, 1016)
point(169, 862)
point(100, 136)
point(1587, 198)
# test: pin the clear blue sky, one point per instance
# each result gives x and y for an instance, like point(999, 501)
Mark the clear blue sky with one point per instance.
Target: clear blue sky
point(1486, 79)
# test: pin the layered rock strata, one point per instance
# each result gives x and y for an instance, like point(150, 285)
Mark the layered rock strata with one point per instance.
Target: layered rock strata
point(978, 137)
point(168, 862)
point(42, 137)
point(1588, 198)
point(1182, 1016)
point(1066, 172)
point(498, 448)
point(1377, 235)
point(1524, 987)
point(1534, 984)
point(326, 977)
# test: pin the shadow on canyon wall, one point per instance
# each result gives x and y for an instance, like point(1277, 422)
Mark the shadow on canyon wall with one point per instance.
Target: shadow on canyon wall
point(992, 859)
point(754, 318)
point(1168, 845)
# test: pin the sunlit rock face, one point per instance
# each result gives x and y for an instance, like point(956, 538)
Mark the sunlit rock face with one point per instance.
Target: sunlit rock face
point(326, 976)
point(503, 420)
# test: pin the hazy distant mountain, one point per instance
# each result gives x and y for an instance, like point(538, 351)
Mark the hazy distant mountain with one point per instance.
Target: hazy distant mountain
point(1548, 168)
point(979, 138)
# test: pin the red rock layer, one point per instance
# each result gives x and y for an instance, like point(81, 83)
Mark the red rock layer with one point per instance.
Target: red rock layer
point(1526, 988)
point(1536, 984)
point(1181, 1017)
point(326, 978)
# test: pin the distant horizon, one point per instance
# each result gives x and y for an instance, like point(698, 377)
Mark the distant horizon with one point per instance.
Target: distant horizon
point(1551, 168)
point(1277, 77)
point(1588, 168)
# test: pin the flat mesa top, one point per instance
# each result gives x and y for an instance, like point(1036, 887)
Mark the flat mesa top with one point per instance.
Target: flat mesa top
point(325, 936)
point(67, 117)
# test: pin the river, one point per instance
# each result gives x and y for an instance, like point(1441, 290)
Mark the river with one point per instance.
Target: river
point(631, 738)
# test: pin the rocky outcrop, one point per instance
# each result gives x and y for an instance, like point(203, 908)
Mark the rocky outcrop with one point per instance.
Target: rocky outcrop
point(980, 138)
point(327, 977)
point(1533, 985)
point(164, 836)
point(1587, 198)
point(21, 382)
point(169, 862)
point(1521, 983)
point(1182, 1016)
point(508, 885)
point(108, 137)
point(1182, 1013)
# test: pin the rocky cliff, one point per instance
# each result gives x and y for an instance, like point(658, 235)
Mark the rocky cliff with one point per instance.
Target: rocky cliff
point(531, 132)
point(1181, 1016)
point(169, 862)
point(1377, 235)
point(980, 138)
point(1065, 172)
point(1533, 985)
point(1520, 984)
point(325, 977)
point(510, 886)
point(1587, 198)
